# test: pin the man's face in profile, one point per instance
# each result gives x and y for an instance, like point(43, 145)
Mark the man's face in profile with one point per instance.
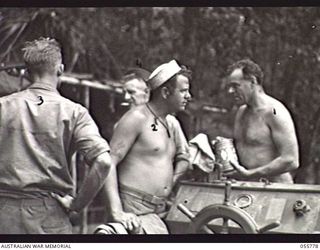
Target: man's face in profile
point(239, 88)
point(180, 96)
point(136, 92)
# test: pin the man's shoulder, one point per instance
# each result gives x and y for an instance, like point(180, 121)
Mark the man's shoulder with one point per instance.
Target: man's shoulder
point(25, 94)
point(171, 119)
point(17, 98)
point(135, 115)
point(73, 104)
point(131, 122)
point(173, 123)
point(69, 104)
point(12, 96)
point(277, 113)
point(240, 110)
point(275, 106)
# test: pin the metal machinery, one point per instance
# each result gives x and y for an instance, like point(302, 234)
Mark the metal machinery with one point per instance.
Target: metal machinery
point(225, 206)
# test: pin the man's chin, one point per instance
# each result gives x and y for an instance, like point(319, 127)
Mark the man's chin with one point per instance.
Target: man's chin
point(239, 101)
point(182, 107)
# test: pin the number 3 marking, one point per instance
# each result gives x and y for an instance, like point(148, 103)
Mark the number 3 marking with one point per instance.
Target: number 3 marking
point(40, 99)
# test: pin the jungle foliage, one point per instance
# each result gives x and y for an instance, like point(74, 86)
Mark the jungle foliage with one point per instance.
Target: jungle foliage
point(106, 41)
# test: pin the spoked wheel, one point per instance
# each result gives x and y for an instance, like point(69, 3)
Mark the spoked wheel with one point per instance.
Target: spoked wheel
point(229, 214)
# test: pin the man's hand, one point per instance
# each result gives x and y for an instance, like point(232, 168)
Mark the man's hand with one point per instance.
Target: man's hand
point(239, 171)
point(129, 220)
point(65, 201)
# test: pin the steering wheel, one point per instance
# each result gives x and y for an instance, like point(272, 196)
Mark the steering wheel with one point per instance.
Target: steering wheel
point(200, 223)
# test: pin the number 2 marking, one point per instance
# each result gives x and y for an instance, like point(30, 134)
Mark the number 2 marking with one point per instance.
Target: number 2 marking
point(154, 128)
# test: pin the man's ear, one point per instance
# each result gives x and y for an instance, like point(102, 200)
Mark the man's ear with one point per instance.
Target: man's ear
point(26, 73)
point(165, 92)
point(147, 91)
point(61, 69)
point(254, 80)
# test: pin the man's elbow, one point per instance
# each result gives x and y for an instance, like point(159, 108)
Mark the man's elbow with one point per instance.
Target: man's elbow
point(103, 163)
point(292, 163)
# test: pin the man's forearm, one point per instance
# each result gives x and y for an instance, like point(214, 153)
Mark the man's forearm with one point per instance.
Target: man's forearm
point(111, 192)
point(114, 206)
point(278, 166)
point(92, 183)
point(181, 168)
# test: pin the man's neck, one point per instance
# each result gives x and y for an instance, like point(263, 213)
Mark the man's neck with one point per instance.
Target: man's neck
point(47, 80)
point(258, 99)
point(159, 108)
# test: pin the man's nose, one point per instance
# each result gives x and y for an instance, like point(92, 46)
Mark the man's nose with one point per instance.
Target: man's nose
point(188, 96)
point(127, 96)
point(231, 90)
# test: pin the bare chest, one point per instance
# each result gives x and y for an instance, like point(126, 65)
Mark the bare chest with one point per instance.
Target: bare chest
point(251, 128)
point(156, 138)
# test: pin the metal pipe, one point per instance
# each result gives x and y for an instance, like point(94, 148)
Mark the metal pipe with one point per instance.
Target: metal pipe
point(91, 84)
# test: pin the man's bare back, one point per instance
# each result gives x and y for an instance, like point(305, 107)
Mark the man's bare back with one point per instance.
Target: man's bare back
point(148, 164)
point(253, 134)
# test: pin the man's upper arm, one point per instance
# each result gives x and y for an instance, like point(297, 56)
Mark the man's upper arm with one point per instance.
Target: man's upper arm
point(283, 133)
point(182, 146)
point(86, 137)
point(124, 135)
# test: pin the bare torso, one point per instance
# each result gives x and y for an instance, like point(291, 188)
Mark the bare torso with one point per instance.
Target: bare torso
point(148, 165)
point(253, 138)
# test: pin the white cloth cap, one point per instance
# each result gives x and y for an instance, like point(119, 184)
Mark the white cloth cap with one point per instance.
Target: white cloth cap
point(163, 73)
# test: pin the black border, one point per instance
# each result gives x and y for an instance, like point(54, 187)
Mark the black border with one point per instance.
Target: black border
point(178, 238)
point(158, 3)
point(243, 238)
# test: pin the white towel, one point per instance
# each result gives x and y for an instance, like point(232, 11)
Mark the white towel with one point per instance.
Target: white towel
point(201, 154)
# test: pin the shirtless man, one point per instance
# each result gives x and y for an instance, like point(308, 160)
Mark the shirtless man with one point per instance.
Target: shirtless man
point(143, 149)
point(135, 87)
point(264, 132)
point(138, 93)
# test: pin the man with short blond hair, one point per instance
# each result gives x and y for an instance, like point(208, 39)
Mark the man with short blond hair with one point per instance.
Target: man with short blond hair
point(39, 132)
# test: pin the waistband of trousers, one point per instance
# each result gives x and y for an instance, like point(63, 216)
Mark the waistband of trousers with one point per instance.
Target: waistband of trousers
point(152, 199)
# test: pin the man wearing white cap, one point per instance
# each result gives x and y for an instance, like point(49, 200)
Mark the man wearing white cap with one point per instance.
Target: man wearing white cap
point(143, 148)
point(138, 93)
